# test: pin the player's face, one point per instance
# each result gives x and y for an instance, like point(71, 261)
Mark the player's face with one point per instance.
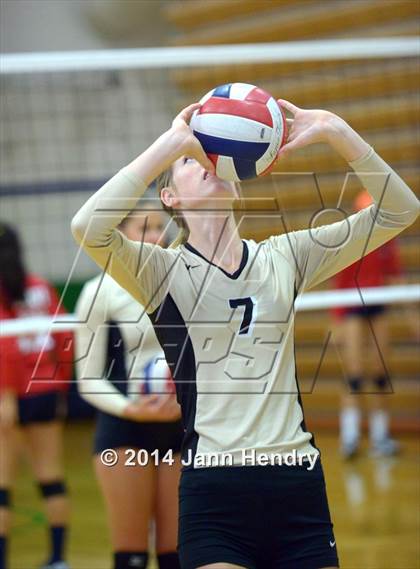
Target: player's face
point(194, 185)
point(145, 227)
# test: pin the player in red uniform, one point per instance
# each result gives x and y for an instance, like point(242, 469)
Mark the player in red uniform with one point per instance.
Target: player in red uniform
point(34, 373)
point(374, 270)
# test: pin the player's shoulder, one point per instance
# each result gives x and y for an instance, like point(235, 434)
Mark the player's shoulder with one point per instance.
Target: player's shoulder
point(103, 296)
point(91, 286)
point(170, 253)
point(93, 294)
point(102, 287)
point(275, 243)
point(277, 248)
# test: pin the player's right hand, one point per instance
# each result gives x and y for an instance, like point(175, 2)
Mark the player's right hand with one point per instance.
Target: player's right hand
point(153, 408)
point(190, 145)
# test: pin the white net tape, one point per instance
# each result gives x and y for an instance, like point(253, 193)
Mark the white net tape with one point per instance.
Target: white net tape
point(308, 301)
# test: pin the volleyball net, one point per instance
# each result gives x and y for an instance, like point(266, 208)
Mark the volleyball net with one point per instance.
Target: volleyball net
point(72, 119)
point(309, 301)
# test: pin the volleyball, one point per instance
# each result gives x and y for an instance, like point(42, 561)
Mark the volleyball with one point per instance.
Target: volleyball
point(157, 377)
point(241, 128)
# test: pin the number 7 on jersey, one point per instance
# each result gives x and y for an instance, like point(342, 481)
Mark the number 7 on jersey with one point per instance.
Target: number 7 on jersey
point(249, 313)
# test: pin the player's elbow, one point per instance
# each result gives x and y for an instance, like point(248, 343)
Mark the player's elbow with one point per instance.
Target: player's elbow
point(414, 213)
point(413, 210)
point(78, 227)
point(399, 220)
point(410, 216)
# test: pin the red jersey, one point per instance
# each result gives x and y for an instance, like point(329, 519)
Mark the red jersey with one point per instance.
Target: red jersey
point(373, 270)
point(35, 363)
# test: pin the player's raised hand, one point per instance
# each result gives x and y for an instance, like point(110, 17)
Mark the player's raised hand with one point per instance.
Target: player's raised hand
point(310, 126)
point(190, 145)
point(306, 127)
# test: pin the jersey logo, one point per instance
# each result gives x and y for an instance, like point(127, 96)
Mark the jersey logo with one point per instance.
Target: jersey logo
point(332, 543)
point(188, 267)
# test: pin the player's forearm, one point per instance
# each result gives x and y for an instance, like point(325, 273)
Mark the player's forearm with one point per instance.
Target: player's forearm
point(396, 201)
point(102, 395)
point(387, 189)
point(157, 158)
point(104, 211)
point(95, 222)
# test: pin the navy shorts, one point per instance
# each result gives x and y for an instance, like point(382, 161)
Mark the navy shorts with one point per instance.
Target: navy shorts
point(42, 408)
point(114, 432)
point(258, 517)
point(368, 311)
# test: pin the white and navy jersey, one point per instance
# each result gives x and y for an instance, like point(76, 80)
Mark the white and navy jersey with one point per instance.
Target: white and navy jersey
point(229, 339)
point(107, 316)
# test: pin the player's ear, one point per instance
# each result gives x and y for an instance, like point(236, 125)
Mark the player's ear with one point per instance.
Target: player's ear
point(168, 197)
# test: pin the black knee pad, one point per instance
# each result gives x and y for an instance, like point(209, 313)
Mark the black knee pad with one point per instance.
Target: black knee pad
point(355, 384)
point(5, 498)
point(168, 561)
point(50, 489)
point(382, 383)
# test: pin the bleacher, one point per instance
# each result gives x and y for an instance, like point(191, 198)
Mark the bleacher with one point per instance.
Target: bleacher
point(379, 98)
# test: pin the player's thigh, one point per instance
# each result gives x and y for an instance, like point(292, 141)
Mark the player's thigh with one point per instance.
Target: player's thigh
point(379, 342)
point(45, 446)
point(129, 493)
point(9, 449)
point(166, 510)
point(352, 344)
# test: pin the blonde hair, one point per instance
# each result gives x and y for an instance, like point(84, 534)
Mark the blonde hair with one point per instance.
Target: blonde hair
point(146, 203)
point(164, 181)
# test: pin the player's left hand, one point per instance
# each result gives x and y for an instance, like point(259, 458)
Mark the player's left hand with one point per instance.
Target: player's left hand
point(306, 127)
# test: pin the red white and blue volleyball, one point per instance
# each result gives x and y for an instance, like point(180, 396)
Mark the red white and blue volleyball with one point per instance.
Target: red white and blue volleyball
point(241, 128)
point(156, 377)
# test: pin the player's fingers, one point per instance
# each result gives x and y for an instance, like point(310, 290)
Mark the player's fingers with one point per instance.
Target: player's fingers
point(187, 113)
point(152, 399)
point(164, 401)
point(289, 106)
point(166, 398)
point(294, 144)
point(203, 159)
point(290, 122)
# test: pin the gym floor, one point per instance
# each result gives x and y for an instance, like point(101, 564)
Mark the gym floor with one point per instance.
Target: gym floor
point(374, 504)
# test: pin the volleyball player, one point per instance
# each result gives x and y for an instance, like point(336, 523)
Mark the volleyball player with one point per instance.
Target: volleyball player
point(34, 375)
point(222, 308)
point(379, 268)
point(130, 415)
